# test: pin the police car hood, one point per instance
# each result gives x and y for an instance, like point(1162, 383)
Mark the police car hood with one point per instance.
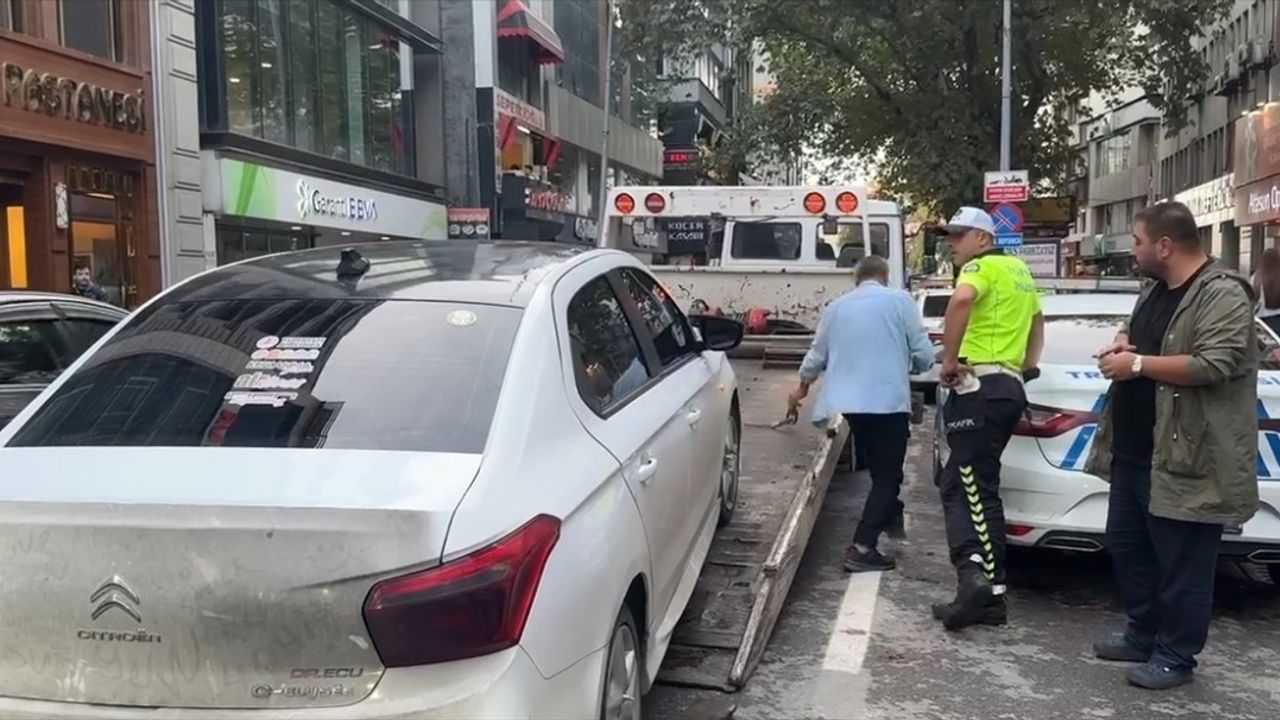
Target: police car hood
point(1079, 391)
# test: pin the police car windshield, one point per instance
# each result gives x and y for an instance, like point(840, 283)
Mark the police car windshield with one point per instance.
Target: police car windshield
point(1073, 339)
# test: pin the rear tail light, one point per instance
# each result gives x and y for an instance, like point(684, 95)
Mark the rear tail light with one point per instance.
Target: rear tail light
point(1041, 421)
point(1270, 424)
point(1016, 530)
point(472, 606)
point(847, 202)
point(815, 203)
point(624, 204)
point(935, 337)
point(654, 203)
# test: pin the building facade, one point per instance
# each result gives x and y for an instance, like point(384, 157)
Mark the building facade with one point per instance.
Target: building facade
point(704, 93)
point(312, 130)
point(77, 153)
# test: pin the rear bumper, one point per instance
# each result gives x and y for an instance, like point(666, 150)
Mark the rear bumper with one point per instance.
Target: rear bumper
point(504, 686)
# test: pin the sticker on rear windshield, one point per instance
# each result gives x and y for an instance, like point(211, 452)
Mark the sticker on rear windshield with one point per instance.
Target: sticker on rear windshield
point(264, 381)
point(273, 399)
point(290, 342)
point(284, 367)
point(461, 318)
point(283, 354)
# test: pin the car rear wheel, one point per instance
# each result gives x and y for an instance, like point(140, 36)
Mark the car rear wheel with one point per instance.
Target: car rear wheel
point(1273, 572)
point(622, 671)
point(730, 469)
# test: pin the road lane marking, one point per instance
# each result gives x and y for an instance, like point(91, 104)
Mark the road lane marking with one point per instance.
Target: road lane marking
point(851, 633)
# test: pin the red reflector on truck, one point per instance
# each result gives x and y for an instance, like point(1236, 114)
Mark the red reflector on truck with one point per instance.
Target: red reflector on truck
point(654, 203)
point(472, 606)
point(815, 203)
point(624, 204)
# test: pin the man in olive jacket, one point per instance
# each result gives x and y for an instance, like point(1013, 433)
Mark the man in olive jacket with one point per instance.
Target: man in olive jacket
point(1178, 442)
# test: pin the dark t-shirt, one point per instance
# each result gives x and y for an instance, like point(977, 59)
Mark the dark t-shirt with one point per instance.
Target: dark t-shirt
point(1133, 402)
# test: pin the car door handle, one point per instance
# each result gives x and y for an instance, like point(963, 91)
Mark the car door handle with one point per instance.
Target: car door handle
point(647, 470)
point(694, 417)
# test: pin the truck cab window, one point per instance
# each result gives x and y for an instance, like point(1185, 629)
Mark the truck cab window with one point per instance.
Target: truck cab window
point(766, 241)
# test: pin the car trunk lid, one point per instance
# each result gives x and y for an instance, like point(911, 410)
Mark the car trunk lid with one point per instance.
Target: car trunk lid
point(209, 577)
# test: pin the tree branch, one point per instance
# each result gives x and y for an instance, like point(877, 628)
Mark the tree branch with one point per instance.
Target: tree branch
point(784, 22)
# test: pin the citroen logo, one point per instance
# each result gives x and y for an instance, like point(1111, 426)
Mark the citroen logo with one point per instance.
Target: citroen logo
point(115, 594)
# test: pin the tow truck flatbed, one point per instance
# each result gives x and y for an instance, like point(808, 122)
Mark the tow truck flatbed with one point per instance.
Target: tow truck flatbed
point(784, 480)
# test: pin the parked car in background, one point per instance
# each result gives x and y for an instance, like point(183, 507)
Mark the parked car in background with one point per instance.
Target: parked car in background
point(1049, 501)
point(407, 479)
point(41, 334)
point(933, 308)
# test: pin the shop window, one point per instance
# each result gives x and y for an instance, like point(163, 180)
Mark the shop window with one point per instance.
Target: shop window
point(236, 244)
point(13, 234)
point(91, 26)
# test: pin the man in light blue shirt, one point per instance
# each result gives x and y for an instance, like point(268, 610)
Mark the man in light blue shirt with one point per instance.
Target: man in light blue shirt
point(869, 342)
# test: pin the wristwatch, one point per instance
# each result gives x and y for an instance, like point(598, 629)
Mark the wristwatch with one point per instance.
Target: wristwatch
point(1137, 365)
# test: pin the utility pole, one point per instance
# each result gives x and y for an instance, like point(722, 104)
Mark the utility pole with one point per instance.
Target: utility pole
point(603, 194)
point(1006, 85)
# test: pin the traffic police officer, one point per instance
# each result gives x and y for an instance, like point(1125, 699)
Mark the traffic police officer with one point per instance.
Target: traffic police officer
point(993, 334)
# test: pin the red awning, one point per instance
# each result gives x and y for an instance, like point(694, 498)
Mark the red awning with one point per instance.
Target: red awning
point(515, 21)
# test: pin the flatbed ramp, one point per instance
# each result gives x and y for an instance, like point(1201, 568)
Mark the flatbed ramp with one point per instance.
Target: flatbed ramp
point(784, 480)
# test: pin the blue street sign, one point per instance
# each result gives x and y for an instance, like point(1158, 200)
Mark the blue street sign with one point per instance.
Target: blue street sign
point(1009, 240)
point(1007, 218)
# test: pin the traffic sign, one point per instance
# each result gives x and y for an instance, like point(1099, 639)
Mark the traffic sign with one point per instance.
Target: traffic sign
point(1007, 218)
point(1009, 240)
point(1006, 186)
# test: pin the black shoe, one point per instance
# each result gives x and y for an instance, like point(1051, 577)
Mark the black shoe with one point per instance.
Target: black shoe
point(1157, 676)
point(973, 594)
point(869, 561)
point(897, 529)
point(1117, 649)
point(996, 614)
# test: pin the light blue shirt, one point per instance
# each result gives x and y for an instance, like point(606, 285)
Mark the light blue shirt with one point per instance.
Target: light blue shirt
point(869, 342)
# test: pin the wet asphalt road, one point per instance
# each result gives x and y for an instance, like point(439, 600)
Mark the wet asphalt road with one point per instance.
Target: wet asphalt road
point(851, 647)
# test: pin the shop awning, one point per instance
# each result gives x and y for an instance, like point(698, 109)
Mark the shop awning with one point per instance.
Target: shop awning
point(515, 21)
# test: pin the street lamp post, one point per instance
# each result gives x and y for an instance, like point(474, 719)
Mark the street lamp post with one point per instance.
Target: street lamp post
point(1006, 85)
point(603, 194)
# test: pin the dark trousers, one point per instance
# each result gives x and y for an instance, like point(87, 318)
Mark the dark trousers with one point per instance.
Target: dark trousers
point(978, 427)
point(1165, 569)
point(883, 439)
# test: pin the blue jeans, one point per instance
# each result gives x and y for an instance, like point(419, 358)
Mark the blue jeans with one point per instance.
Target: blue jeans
point(1165, 569)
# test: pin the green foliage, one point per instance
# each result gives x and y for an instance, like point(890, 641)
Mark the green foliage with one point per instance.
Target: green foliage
point(913, 86)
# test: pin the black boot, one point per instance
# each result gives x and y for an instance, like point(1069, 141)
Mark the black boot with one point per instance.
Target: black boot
point(973, 595)
point(995, 614)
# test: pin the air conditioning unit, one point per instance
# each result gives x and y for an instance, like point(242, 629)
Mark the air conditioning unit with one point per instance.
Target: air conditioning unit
point(1218, 85)
point(1260, 53)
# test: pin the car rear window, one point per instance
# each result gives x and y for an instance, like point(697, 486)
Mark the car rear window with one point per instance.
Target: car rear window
point(935, 306)
point(365, 374)
point(1073, 339)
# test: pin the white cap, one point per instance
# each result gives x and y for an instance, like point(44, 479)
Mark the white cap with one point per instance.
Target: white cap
point(970, 218)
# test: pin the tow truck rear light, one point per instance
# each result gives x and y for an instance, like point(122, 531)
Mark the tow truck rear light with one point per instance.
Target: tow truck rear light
point(815, 203)
point(654, 203)
point(624, 203)
point(847, 202)
point(472, 606)
point(1044, 422)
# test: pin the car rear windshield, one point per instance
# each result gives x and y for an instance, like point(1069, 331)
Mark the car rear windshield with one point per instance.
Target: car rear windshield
point(366, 374)
point(935, 306)
point(1073, 339)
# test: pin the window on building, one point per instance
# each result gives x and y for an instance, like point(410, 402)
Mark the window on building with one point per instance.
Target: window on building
point(236, 244)
point(580, 25)
point(318, 76)
point(1114, 153)
point(11, 15)
point(91, 26)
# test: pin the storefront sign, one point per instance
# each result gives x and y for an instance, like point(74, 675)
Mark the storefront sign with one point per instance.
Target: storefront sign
point(546, 200)
point(1041, 257)
point(1258, 202)
point(72, 99)
point(1211, 202)
point(522, 112)
point(468, 223)
point(245, 189)
point(1257, 145)
point(311, 200)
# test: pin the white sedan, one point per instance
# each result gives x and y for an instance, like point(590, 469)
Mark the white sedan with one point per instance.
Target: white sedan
point(1049, 500)
point(404, 480)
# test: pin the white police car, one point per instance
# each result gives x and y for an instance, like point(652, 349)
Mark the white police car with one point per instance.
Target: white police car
point(1049, 501)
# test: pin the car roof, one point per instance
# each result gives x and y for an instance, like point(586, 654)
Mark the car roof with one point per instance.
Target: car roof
point(16, 297)
point(1088, 304)
point(485, 272)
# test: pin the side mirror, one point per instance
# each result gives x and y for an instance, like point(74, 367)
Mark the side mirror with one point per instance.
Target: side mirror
point(718, 333)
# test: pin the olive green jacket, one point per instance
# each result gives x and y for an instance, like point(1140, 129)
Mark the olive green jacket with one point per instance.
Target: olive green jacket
point(1204, 465)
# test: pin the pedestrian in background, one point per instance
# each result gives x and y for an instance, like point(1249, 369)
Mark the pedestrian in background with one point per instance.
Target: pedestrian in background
point(1178, 442)
point(1266, 287)
point(82, 284)
point(869, 342)
point(992, 334)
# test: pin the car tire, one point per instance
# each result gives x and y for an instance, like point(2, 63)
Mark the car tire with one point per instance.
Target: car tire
point(620, 698)
point(1273, 572)
point(730, 469)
